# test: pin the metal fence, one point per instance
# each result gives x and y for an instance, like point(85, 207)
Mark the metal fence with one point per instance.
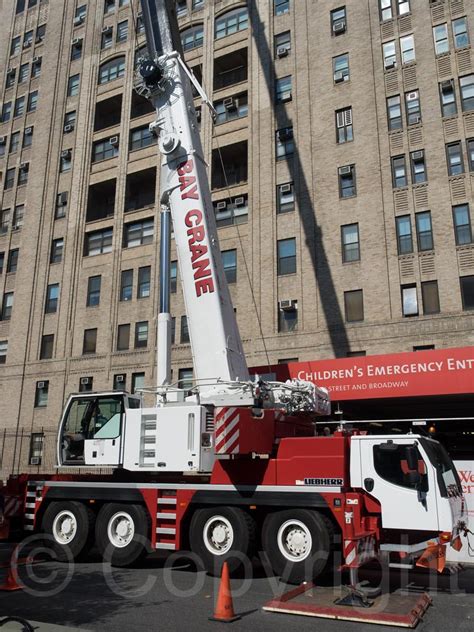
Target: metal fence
point(27, 451)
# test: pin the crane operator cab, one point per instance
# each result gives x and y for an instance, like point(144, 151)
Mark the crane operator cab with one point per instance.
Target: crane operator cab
point(92, 424)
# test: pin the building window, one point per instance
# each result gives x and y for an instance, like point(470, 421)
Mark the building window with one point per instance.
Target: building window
point(141, 334)
point(120, 382)
point(287, 316)
point(286, 256)
point(61, 205)
point(389, 55)
point(144, 274)
point(122, 31)
point(418, 167)
point(229, 259)
point(141, 137)
point(109, 6)
point(36, 67)
point(69, 121)
point(231, 108)
point(32, 101)
point(354, 306)
point(185, 379)
point(28, 137)
point(76, 50)
point(344, 132)
point(6, 112)
point(98, 242)
point(12, 263)
point(386, 12)
point(173, 277)
point(283, 89)
point(56, 250)
point(15, 45)
point(138, 381)
point(65, 161)
point(93, 291)
point(338, 21)
point(340, 68)
point(184, 332)
point(4, 220)
point(430, 297)
point(467, 92)
point(123, 337)
point(140, 26)
point(10, 78)
point(9, 178)
point(192, 37)
point(19, 107)
point(40, 33)
point(18, 215)
point(448, 98)
point(111, 70)
point(407, 47)
point(350, 243)
point(394, 113)
point(440, 37)
point(281, 6)
point(231, 211)
point(86, 384)
point(23, 73)
point(285, 144)
point(28, 39)
point(73, 85)
point(107, 38)
point(231, 22)
point(47, 344)
point(347, 181)
point(454, 159)
point(423, 347)
point(462, 224)
point(409, 300)
point(197, 4)
point(138, 233)
point(467, 292)
point(105, 149)
point(285, 197)
point(89, 343)
point(52, 299)
point(80, 15)
point(470, 153)
point(282, 44)
point(41, 394)
point(7, 306)
point(413, 107)
point(460, 33)
point(3, 351)
point(424, 231)
point(23, 172)
point(404, 235)
point(126, 285)
point(2, 261)
point(14, 142)
point(181, 7)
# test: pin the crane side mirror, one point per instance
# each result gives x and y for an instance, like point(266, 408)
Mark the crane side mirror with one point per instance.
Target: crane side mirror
point(411, 455)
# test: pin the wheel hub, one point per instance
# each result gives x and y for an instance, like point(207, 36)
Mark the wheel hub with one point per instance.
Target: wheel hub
point(64, 527)
point(294, 540)
point(218, 535)
point(121, 530)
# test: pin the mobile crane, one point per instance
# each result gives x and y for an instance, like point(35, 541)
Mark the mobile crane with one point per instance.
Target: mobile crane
point(231, 463)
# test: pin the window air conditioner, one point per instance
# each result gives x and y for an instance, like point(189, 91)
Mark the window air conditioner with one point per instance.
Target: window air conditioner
point(120, 378)
point(339, 27)
point(24, 166)
point(221, 206)
point(107, 29)
point(416, 118)
point(114, 141)
point(77, 41)
point(446, 86)
point(28, 131)
point(66, 153)
point(287, 96)
point(68, 128)
point(417, 155)
point(287, 305)
point(285, 188)
point(230, 103)
point(62, 199)
point(390, 63)
point(239, 201)
point(78, 20)
point(39, 385)
point(27, 44)
point(85, 381)
point(282, 51)
point(3, 140)
point(285, 134)
point(11, 72)
point(346, 170)
point(338, 76)
point(412, 96)
point(35, 460)
point(36, 59)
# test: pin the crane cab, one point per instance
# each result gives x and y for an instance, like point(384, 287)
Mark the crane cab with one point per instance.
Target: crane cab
point(93, 422)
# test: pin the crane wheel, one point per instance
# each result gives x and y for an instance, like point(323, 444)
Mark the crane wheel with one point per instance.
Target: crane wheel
point(298, 544)
point(222, 534)
point(70, 527)
point(122, 533)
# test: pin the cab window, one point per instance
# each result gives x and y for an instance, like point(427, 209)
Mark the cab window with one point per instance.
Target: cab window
point(391, 464)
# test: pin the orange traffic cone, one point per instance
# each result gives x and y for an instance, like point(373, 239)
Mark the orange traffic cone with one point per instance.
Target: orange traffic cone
point(12, 576)
point(224, 611)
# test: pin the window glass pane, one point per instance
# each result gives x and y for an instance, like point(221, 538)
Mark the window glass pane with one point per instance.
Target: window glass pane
point(350, 243)
point(286, 249)
point(430, 296)
point(467, 292)
point(354, 305)
point(404, 235)
point(462, 224)
point(460, 33)
point(409, 301)
point(391, 466)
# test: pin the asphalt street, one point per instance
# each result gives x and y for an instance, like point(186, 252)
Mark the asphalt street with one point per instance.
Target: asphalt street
point(168, 593)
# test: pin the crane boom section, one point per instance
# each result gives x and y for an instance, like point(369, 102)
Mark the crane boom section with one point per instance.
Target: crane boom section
point(215, 340)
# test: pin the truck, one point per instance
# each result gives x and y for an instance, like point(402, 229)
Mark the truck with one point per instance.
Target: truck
point(231, 465)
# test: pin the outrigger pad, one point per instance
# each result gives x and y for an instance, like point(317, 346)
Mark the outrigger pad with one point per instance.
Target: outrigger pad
point(354, 598)
point(400, 609)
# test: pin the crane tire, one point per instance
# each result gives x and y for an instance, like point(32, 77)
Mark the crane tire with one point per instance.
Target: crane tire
point(223, 534)
point(122, 533)
point(69, 527)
